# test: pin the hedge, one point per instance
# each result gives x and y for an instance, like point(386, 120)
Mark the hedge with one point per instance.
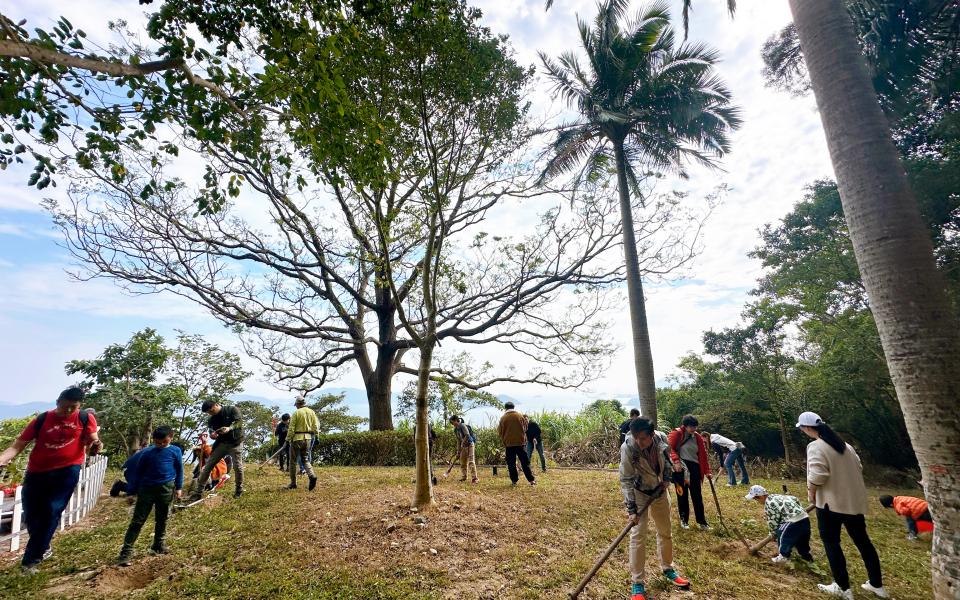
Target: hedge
point(396, 448)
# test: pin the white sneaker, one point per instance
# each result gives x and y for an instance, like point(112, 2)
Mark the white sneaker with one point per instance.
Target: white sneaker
point(879, 591)
point(779, 559)
point(834, 590)
point(684, 525)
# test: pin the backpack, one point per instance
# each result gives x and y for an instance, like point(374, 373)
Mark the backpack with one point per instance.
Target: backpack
point(38, 423)
point(473, 437)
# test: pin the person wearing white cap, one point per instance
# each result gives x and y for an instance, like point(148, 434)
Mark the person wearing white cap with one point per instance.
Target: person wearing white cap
point(788, 523)
point(835, 485)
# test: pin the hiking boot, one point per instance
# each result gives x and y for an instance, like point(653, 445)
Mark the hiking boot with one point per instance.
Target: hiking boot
point(159, 549)
point(674, 577)
point(637, 592)
point(834, 590)
point(292, 486)
point(779, 559)
point(31, 569)
point(879, 591)
point(126, 557)
point(684, 525)
point(313, 483)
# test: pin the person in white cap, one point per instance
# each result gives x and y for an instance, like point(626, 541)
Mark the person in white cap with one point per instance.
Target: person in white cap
point(835, 485)
point(788, 523)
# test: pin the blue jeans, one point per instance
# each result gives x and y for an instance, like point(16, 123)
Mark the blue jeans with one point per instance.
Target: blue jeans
point(736, 455)
point(45, 495)
point(795, 535)
point(538, 446)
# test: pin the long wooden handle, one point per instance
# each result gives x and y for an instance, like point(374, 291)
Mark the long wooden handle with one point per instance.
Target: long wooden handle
point(603, 558)
point(759, 545)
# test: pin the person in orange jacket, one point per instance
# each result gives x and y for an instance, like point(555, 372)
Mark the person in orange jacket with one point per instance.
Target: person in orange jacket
point(910, 508)
point(687, 445)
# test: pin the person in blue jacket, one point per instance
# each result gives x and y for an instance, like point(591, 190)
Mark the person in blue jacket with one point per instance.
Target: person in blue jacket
point(156, 478)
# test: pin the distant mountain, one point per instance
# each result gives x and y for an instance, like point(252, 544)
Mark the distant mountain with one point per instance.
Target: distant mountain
point(15, 411)
point(355, 400)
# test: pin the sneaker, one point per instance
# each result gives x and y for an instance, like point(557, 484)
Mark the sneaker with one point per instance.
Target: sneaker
point(161, 549)
point(704, 527)
point(533, 483)
point(313, 483)
point(31, 569)
point(808, 558)
point(912, 537)
point(674, 577)
point(779, 559)
point(47, 555)
point(637, 592)
point(513, 484)
point(878, 591)
point(731, 485)
point(684, 525)
point(194, 497)
point(238, 493)
point(834, 590)
point(292, 486)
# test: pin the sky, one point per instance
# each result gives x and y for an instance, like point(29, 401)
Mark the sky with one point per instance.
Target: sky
point(48, 317)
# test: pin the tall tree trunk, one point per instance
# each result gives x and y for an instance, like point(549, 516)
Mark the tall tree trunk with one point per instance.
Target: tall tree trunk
point(423, 491)
point(784, 437)
point(642, 355)
point(379, 387)
point(918, 328)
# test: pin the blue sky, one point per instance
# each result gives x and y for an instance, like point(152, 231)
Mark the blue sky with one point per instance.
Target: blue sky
point(47, 318)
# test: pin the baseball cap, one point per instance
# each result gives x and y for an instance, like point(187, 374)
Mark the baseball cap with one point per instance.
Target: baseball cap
point(809, 419)
point(756, 491)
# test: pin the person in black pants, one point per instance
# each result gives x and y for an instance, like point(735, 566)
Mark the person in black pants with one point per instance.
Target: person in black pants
point(835, 485)
point(535, 442)
point(513, 434)
point(688, 446)
point(281, 432)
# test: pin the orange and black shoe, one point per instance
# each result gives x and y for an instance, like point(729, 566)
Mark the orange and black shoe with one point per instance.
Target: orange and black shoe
point(637, 592)
point(681, 582)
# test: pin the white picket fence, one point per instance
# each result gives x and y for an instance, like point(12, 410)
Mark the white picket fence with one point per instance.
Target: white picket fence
point(82, 501)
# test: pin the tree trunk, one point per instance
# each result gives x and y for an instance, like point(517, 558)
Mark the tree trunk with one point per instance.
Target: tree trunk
point(380, 399)
point(918, 328)
point(423, 491)
point(784, 437)
point(642, 354)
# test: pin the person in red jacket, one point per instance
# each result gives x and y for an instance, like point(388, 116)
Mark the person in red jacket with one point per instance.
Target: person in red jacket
point(688, 446)
point(912, 509)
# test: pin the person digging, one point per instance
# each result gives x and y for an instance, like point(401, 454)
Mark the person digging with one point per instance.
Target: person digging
point(788, 523)
point(645, 473)
point(226, 426)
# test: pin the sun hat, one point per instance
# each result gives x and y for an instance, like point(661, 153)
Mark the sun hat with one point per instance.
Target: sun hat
point(755, 492)
point(809, 419)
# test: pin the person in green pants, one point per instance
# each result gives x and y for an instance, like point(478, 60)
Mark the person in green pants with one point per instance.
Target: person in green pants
point(157, 478)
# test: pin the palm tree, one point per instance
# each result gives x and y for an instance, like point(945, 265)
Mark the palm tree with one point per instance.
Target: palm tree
point(918, 325)
point(643, 102)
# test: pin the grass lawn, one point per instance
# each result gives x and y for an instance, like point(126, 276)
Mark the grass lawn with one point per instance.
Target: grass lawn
point(355, 537)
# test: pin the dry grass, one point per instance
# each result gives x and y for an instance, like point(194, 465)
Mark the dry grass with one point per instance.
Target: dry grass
point(355, 537)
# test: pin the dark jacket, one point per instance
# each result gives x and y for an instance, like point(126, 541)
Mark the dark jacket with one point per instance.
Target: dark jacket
point(533, 431)
point(281, 432)
point(230, 417)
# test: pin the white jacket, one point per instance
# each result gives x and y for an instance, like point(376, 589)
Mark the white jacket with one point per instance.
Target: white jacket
point(838, 478)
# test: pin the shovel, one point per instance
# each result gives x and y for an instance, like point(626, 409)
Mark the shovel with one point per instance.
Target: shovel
point(716, 501)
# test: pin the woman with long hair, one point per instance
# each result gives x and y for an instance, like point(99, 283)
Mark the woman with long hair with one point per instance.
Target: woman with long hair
point(835, 485)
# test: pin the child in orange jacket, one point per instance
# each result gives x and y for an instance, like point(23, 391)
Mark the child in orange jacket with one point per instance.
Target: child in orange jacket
point(914, 510)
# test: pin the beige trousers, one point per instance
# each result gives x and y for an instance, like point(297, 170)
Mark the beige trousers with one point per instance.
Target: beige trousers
point(659, 511)
point(468, 458)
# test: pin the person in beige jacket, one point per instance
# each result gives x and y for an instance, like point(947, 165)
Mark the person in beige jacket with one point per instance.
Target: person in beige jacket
point(835, 485)
point(513, 434)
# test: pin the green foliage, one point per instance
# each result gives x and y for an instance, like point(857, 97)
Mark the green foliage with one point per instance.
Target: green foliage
point(444, 399)
point(257, 424)
point(10, 430)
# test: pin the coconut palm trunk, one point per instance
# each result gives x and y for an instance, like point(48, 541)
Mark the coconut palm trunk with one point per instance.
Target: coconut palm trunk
point(642, 354)
point(918, 327)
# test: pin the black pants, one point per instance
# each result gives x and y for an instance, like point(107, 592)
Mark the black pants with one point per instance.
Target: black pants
point(513, 453)
point(829, 524)
point(692, 491)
